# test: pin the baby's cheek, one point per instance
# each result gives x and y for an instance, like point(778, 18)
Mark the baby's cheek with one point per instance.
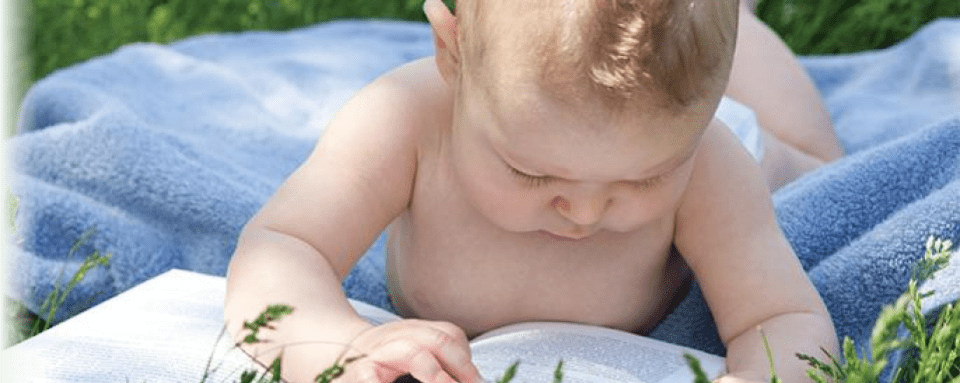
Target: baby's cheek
point(517, 213)
point(511, 210)
point(633, 213)
point(489, 201)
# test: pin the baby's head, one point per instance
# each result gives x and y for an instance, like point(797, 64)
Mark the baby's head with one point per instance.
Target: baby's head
point(590, 108)
point(623, 55)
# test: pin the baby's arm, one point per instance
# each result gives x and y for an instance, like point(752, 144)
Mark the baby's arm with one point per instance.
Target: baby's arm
point(308, 236)
point(750, 277)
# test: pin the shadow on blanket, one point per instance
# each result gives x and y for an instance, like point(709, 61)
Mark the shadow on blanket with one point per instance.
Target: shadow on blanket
point(165, 152)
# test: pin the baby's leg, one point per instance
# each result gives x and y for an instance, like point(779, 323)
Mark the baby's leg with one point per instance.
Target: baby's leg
point(767, 77)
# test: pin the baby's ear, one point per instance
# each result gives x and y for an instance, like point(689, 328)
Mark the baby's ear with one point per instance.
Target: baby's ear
point(444, 25)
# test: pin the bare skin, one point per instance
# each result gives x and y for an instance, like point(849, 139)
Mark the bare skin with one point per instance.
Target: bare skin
point(798, 135)
point(533, 211)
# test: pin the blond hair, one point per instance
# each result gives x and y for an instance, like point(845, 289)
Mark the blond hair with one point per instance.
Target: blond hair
point(622, 52)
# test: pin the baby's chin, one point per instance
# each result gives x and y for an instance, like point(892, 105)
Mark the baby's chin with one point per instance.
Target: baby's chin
point(513, 225)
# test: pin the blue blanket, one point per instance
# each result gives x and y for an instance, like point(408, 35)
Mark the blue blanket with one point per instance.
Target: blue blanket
point(159, 154)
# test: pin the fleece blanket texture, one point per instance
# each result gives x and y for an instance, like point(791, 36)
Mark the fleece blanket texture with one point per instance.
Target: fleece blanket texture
point(159, 154)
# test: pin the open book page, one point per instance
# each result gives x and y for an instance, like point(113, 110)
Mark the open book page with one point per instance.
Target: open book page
point(164, 330)
point(590, 354)
point(169, 328)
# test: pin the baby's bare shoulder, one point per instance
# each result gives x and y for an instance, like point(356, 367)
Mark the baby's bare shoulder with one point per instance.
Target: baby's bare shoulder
point(397, 105)
point(396, 113)
point(723, 169)
point(726, 202)
point(414, 92)
point(366, 160)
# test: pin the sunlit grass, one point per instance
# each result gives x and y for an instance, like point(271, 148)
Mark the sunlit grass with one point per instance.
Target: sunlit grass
point(63, 32)
point(830, 26)
point(58, 33)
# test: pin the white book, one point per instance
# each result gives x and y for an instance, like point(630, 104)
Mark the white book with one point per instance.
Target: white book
point(163, 330)
point(590, 354)
point(168, 329)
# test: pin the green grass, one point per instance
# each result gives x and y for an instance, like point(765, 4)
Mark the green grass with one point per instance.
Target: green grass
point(68, 31)
point(931, 351)
point(20, 323)
point(58, 33)
point(831, 26)
point(63, 32)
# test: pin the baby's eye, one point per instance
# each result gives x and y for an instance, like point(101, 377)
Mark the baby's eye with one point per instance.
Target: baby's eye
point(530, 180)
point(648, 183)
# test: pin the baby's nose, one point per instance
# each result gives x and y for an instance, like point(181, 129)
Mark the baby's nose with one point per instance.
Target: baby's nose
point(584, 211)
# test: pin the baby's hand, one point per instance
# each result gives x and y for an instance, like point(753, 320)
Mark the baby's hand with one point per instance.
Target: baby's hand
point(432, 352)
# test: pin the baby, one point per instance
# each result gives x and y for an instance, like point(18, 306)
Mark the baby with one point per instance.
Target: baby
point(542, 166)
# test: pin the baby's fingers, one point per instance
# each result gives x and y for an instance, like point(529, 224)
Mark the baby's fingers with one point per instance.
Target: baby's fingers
point(453, 351)
point(421, 364)
point(428, 363)
point(394, 360)
point(429, 351)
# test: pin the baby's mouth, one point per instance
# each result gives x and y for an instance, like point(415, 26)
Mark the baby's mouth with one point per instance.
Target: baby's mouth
point(564, 237)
